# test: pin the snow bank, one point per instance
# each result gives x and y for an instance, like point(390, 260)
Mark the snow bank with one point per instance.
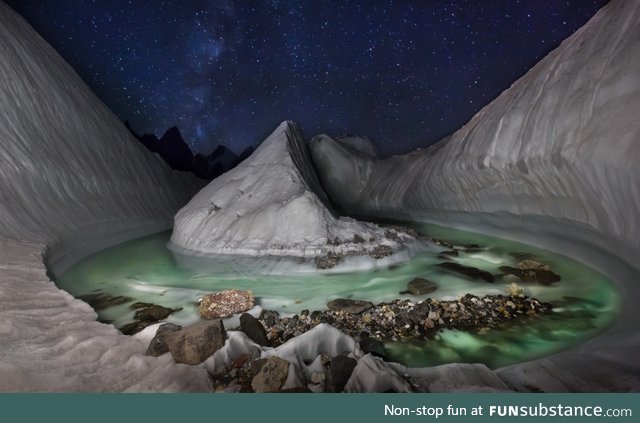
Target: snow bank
point(552, 162)
point(271, 204)
point(561, 142)
point(72, 181)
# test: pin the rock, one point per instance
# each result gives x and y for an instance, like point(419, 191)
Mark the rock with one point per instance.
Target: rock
point(271, 376)
point(357, 239)
point(318, 378)
point(420, 286)
point(101, 301)
point(380, 251)
point(543, 277)
point(532, 264)
point(468, 271)
point(349, 306)
point(442, 242)
point(225, 303)
point(153, 313)
point(240, 360)
point(194, 344)
point(158, 344)
point(147, 315)
point(515, 290)
point(329, 261)
point(449, 253)
point(340, 370)
point(253, 329)
point(133, 327)
point(256, 365)
point(373, 346)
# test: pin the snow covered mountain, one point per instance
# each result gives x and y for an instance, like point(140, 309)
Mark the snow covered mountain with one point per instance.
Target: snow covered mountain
point(563, 141)
point(73, 180)
point(271, 204)
point(553, 161)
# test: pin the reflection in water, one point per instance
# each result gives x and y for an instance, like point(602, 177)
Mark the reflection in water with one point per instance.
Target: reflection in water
point(146, 270)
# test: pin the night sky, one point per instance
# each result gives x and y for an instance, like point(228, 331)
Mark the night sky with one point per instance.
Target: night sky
point(405, 73)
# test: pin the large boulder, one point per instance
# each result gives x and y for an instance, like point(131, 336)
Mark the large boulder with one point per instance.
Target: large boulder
point(271, 376)
point(194, 344)
point(253, 329)
point(158, 344)
point(225, 303)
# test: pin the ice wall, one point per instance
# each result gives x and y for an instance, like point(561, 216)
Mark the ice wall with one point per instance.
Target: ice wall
point(72, 179)
point(553, 161)
point(563, 141)
point(272, 204)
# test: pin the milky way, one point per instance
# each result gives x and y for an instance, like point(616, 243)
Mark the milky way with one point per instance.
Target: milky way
point(406, 73)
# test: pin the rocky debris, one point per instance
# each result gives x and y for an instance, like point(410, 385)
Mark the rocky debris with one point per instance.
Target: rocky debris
point(442, 243)
point(271, 376)
point(100, 301)
point(349, 306)
point(530, 270)
point(328, 261)
point(467, 271)
point(357, 239)
point(158, 344)
point(420, 286)
point(269, 317)
point(253, 329)
point(194, 344)
point(530, 264)
point(394, 231)
point(332, 259)
point(340, 370)
point(380, 251)
point(373, 346)
point(147, 314)
point(225, 303)
point(400, 320)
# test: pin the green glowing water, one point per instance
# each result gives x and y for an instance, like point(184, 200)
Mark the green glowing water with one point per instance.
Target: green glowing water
point(145, 270)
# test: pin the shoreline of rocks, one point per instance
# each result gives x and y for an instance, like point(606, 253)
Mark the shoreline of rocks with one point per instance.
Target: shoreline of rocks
point(402, 319)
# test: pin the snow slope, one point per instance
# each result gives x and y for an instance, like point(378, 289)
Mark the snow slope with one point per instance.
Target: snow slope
point(271, 204)
point(552, 161)
point(72, 180)
point(563, 141)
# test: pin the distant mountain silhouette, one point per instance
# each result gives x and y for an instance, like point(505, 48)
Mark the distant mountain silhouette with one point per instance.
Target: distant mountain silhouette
point(245, 153)
point(176, 152)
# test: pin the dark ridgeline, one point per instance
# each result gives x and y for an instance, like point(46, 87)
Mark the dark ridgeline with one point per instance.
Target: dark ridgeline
point(176, 152)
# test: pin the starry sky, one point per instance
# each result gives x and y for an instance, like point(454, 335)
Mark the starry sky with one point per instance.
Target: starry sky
point(405, 73)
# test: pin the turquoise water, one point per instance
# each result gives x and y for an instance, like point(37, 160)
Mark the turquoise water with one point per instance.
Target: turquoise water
point(146, 270)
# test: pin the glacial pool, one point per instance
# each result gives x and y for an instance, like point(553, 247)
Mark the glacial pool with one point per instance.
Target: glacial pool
point(146, 270)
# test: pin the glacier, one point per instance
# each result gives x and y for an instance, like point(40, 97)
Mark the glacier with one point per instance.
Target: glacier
point(272, 204)
point(73, 181)
point(553, 162)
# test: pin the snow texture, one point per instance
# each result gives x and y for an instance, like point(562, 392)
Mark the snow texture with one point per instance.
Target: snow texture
point(73, 180)
point(553, 161)
point(271, 204)
point(558, 148)
point(563, 141)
